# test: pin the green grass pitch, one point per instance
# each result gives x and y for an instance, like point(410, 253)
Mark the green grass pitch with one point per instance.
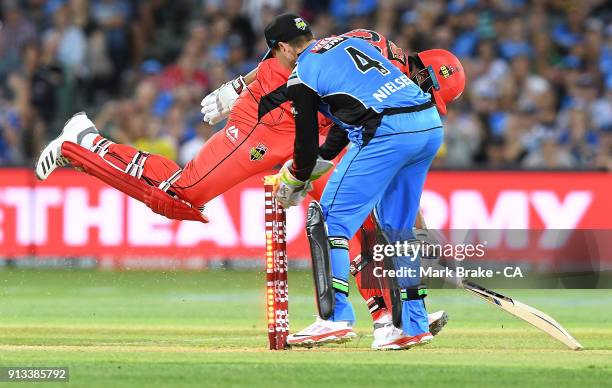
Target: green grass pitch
point(208, 329)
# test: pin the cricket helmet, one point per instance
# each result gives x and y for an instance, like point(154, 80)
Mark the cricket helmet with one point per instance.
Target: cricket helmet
point(440, 73)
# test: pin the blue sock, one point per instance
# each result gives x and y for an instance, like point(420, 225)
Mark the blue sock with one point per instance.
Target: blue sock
point(340, 271)
point(344, 309)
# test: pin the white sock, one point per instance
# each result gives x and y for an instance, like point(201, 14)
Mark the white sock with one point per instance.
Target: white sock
point(88, 140)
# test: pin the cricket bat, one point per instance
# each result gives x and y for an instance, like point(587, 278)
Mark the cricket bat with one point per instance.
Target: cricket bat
point(525, 312)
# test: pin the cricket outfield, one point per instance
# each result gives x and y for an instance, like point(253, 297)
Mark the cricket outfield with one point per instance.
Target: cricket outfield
point(208, 329)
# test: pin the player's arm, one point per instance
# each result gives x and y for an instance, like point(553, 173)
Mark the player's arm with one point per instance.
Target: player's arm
point(250, 77)
point(217, 105)
point(306, 145)
point(336, 140)
point(294, 176)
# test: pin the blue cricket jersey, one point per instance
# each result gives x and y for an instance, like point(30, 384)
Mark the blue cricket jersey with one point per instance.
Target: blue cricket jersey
point(356, 83)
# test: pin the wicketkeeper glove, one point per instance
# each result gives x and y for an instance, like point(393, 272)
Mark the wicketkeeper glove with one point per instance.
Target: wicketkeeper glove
point(289, 190)
point(217, 105)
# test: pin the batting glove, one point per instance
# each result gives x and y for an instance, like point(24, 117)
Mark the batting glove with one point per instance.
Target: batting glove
point(217, 105)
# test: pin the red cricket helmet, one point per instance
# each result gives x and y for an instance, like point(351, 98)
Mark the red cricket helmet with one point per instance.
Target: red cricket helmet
point(446, 73)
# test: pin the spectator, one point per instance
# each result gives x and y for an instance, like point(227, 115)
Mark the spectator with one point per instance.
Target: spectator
point(579, 138)
point(45, 77)
point(601, 109)
point(72, 45)
point(343, 10)
point(185, 71)
point(147, 135)
point(549, 156)
point(462, 138)
point(100, 69)
point(15, 31)
point(10, 137)
point(604, 153)
point(190, 148)
point(112, 16)
point(538, 93)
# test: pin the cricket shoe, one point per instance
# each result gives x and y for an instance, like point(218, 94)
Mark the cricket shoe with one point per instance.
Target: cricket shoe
point(437, 321)
point(389, 337)
point(322, 332)
point(51, 156)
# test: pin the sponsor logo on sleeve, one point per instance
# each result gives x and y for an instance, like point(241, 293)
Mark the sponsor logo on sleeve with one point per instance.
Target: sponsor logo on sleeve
point(232, 133)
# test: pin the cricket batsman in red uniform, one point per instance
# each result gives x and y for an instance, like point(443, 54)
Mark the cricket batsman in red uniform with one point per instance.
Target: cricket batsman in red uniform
point(257, 137)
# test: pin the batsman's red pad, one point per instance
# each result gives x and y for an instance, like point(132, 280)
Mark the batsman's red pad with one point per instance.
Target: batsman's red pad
point(156, 199)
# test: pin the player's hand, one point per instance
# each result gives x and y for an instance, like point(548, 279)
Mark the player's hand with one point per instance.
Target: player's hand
point(299, 189)
point(217, 105)
point(209, 109)
point(289, 191)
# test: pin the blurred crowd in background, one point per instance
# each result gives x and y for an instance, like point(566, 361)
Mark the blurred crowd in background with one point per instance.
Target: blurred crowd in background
point(539, 92)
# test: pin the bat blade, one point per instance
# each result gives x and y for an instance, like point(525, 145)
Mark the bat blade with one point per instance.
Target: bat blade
point(525, 312)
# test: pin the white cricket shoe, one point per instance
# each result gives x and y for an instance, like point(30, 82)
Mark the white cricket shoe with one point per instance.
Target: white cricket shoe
point(386, 336)
point(389, 337)
point(322, 332)
point(437, 321)
point(51, 156)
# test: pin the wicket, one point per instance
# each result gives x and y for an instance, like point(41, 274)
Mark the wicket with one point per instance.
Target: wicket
point(277, 307)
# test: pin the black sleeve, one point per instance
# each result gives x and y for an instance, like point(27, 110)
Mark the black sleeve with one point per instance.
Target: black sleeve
point(306, 146)
point(336, 140)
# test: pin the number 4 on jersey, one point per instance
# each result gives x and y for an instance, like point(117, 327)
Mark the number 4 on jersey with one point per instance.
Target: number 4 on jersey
point(365, 63)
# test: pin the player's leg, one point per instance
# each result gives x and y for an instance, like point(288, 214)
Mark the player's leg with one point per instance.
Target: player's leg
point(140, 175)
point(81, 130)
point(348, 198)
point(360, 251)
point(371, 293)
point(396, 213)
point(373, 289)
point(234, 154)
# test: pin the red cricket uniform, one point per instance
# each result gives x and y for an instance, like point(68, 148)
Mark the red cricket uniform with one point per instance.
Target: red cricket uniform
point(259, 135)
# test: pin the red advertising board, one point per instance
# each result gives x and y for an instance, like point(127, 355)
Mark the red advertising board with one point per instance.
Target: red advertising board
point(72, 214)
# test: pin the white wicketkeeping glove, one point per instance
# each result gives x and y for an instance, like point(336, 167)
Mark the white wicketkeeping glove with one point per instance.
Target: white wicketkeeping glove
point(217, 105)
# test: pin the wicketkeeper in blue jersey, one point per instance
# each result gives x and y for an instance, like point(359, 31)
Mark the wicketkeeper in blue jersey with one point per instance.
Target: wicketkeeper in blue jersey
point(394, 130)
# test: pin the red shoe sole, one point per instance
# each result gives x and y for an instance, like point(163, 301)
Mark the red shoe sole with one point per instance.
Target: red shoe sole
point(320, 339)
